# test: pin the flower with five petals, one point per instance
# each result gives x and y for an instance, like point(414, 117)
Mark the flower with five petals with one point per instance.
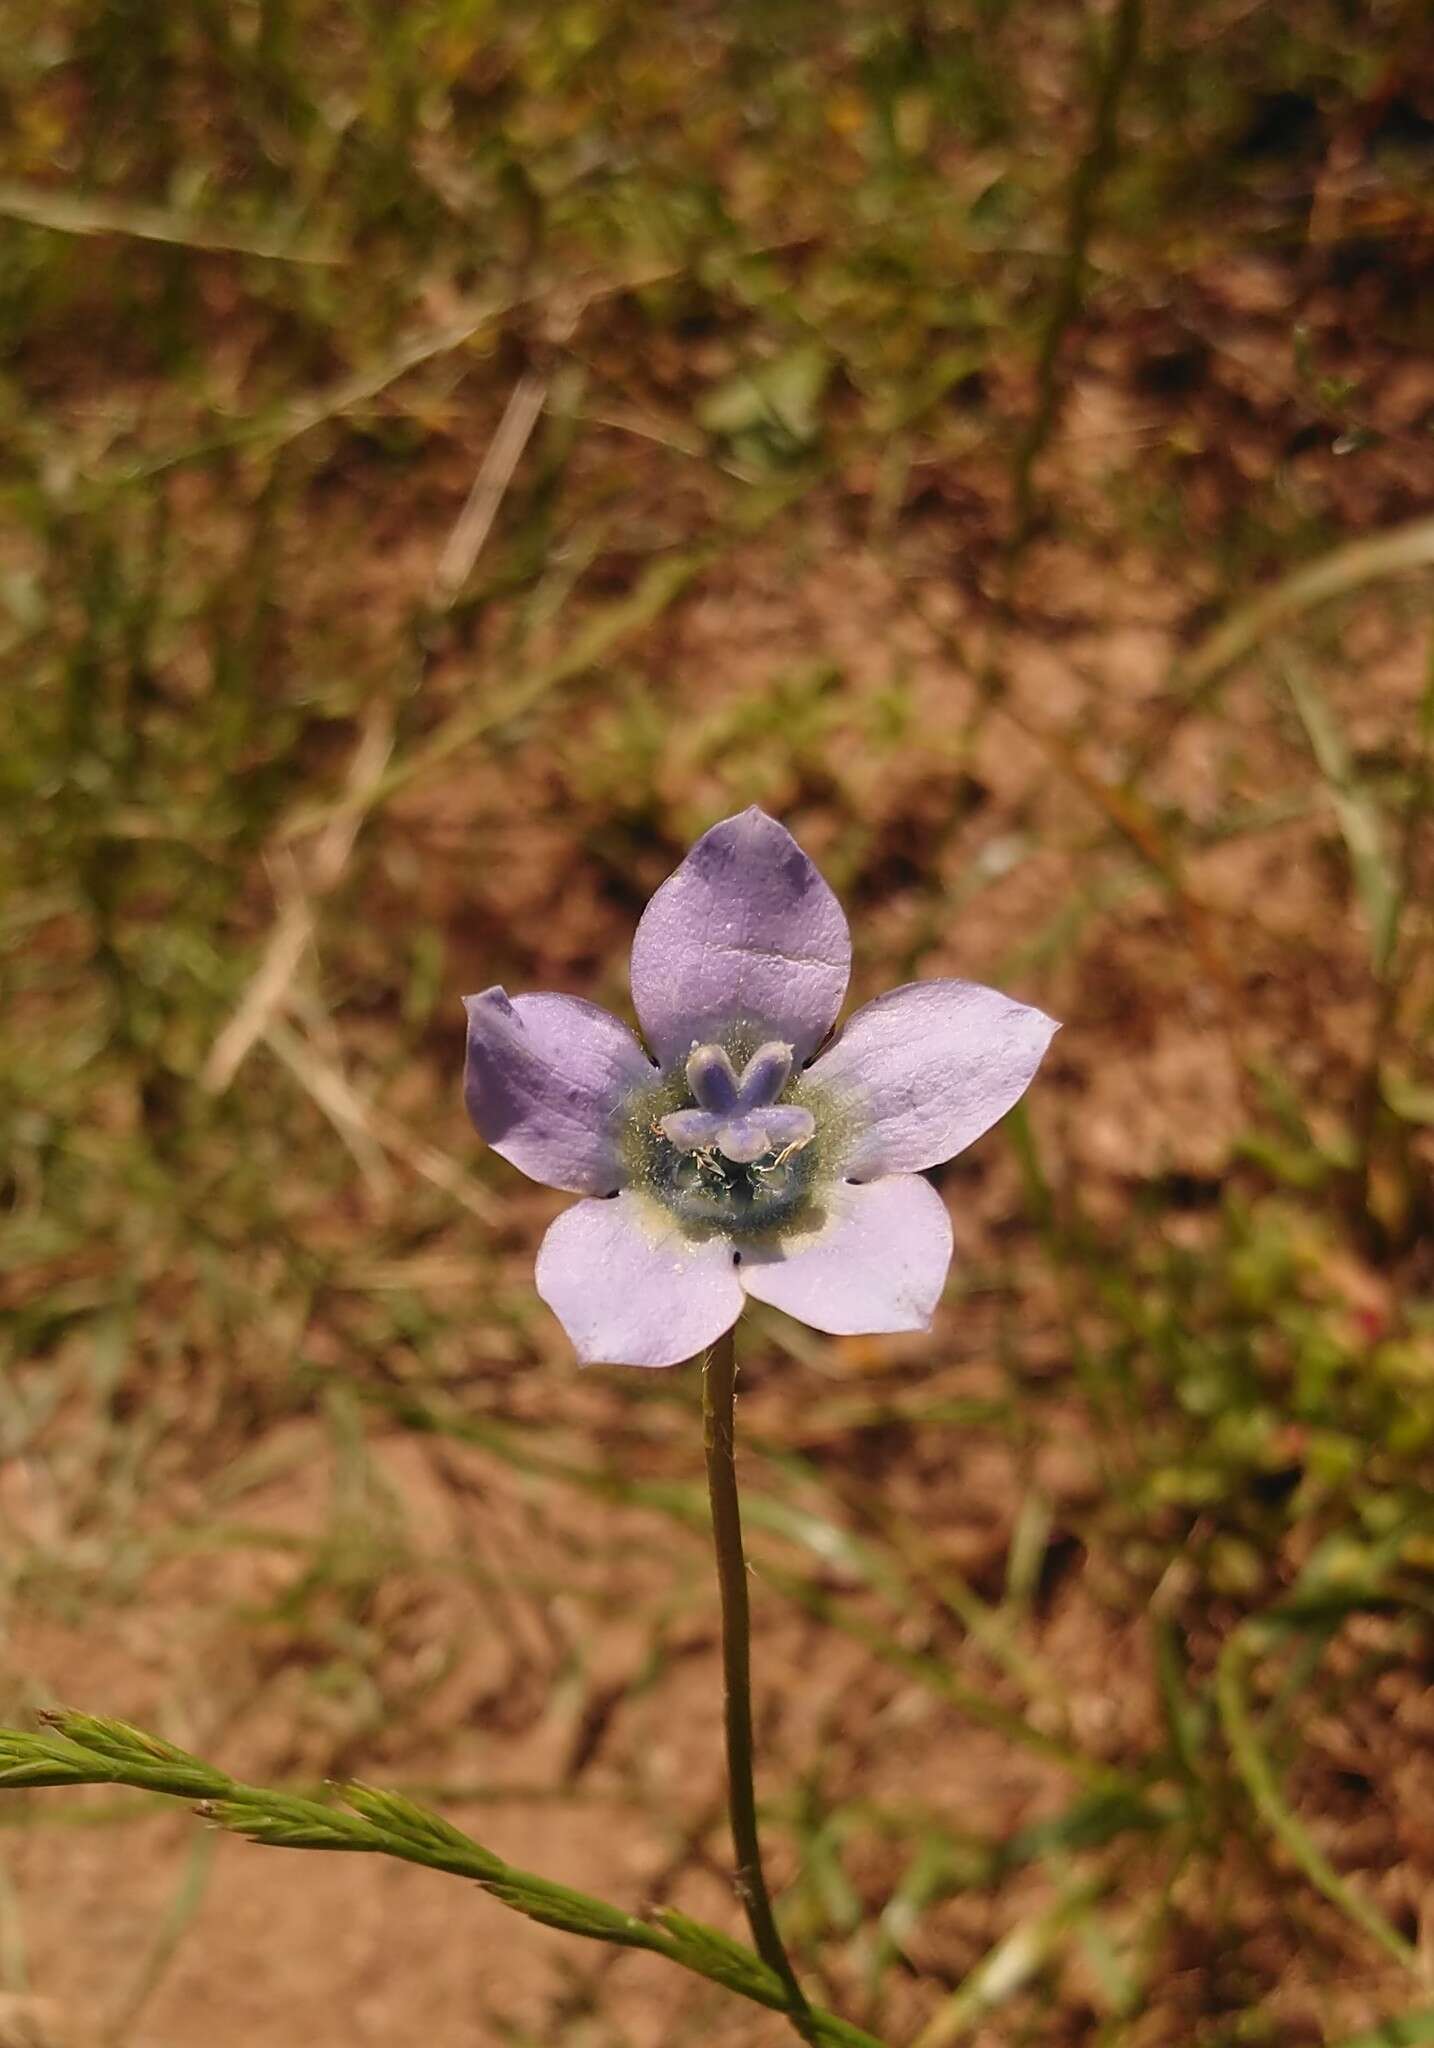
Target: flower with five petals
point(743, 1158)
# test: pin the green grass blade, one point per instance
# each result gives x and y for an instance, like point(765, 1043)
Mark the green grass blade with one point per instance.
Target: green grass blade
point(1260, 1783)
point(85, 1750)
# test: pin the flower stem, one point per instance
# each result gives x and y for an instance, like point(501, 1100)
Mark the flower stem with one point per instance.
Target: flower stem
point(719, 1391)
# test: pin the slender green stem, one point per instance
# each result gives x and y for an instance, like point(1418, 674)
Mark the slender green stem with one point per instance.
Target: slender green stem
point(719, 1400)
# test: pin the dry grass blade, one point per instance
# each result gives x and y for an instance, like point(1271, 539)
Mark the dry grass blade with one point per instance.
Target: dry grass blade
point(1009, 1966)
point(1360, 824)
point(433, 1165)
point(371, 1134)
point(475, 522)
point(1131, 817)
point(278, 426)
point(1398, 553)
point(327, 1086)
point(88, 213)
point(268, 990)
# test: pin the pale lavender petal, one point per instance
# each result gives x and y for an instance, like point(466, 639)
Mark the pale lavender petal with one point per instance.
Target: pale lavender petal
point(544, 1081)
point(874, 1259)
point(766, 1074)
point(925, 1069)
point(711, 1078)
point(746, 932)
point(630, 1289)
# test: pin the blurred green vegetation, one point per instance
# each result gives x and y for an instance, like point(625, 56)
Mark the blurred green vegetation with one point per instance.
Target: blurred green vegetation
point(452, 452)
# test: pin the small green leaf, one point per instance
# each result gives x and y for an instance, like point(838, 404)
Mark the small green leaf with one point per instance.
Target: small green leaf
point(1411, 1101)
point(776, 403)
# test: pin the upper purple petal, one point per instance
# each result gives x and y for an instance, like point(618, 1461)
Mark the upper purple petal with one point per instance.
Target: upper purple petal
point(630, 1289)
point(544, 1082)
point(745, 932)
point(926, 1068)
point(875, 1259)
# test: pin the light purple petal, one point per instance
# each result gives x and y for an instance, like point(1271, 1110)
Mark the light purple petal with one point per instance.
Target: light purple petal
point(630, 1289)
point(926, 1068)
point(876, 1259)
point(745, 932)
point(544, 1080)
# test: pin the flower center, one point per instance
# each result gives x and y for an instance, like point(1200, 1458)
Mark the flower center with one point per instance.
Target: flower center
point(738, 1119)
point(736, 1159)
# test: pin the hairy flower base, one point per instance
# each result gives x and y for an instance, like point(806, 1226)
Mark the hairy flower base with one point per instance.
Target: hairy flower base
point(706, 1189)
point(702, 1189)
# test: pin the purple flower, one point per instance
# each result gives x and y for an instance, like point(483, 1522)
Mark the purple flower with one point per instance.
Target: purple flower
point(733, 1163)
